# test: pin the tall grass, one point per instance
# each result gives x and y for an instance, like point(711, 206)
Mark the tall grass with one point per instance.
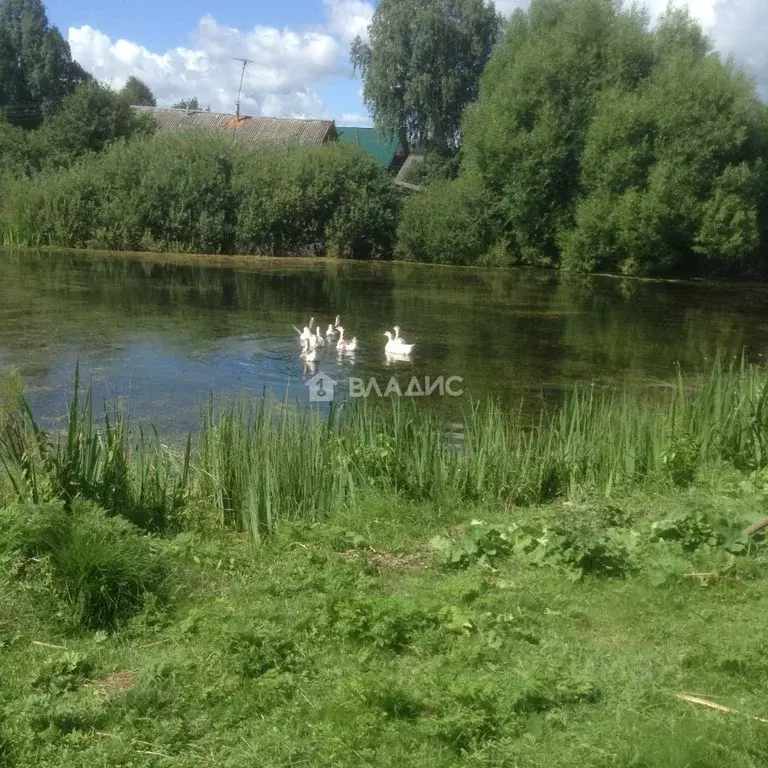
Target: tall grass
point(108, 463)
point(258, 463)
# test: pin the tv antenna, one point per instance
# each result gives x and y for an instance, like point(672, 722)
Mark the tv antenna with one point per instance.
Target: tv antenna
point(246, 62)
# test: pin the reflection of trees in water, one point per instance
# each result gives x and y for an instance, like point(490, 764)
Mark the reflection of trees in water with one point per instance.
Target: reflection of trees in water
point(123, 284)
point(504, 331)
point(500, 330)
point(71, 297)
point(642, 328)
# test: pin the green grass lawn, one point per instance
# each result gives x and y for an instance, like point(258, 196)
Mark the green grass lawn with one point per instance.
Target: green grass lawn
point(357, 641)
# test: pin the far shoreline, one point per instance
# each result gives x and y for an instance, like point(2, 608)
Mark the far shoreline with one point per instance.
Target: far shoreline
point(244, 261)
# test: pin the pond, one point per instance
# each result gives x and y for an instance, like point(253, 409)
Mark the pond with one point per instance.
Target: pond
point(160, 334)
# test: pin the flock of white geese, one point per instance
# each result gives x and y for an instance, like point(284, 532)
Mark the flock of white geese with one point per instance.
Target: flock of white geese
point(313, 341)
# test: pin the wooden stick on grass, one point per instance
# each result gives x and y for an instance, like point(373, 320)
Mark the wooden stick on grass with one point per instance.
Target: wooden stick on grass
point(755, 527)
point(702, 702)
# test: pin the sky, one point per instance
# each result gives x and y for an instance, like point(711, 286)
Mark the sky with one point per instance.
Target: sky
point(299, 48)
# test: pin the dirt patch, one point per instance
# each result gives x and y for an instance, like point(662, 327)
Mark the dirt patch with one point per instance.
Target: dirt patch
point(117, 683)
point(387, 561)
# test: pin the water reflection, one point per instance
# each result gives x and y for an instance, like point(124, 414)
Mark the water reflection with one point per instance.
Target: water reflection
point(162, 334)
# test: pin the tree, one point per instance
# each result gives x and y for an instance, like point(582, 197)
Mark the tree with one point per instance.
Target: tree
point(192, 103)
point(137, 93)
point(17, 153)
point(36, 66)
point(423, 64)
point(600, 144)
point(526, 132)
point(86, 121)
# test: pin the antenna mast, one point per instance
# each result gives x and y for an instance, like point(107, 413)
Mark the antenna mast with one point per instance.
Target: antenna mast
point(242, 75)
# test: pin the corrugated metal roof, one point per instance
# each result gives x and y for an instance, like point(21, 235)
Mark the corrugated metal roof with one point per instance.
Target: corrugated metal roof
point(254, 131)
point(373, 143)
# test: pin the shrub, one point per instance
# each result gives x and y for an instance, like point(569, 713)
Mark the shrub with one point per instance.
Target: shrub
point(201, 193)
point(333, 198)
point(32, 530)
point(448, 223)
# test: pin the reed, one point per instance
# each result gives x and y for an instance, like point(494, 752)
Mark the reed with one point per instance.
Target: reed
point(106, 462)
point(258, 463)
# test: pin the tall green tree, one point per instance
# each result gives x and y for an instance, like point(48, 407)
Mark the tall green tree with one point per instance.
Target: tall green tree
point(137, 93)
point(36, 66)
point(86, 121)
point(526, 132)
point(423, 64)
point(601, 144)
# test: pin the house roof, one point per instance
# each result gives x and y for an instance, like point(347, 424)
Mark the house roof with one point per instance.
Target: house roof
point(412, 164)
point(373, 143)
point(254, 131)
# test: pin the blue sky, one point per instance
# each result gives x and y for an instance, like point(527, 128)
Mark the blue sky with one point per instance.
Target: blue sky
point(183, 48)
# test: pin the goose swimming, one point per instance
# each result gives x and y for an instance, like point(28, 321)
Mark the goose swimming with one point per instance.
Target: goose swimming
point(304, 335)
point(309, 353)
point(351, 346)
point(396, 346)
point(341, 344)
point(332, 328)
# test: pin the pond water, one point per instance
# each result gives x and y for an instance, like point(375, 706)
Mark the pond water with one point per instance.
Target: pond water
point(163, 333)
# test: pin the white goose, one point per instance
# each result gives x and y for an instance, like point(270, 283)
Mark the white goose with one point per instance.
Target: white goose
point(309, 353)
point(304, 335)
point(341, 344)
point(351, 346)
point(396, 346)
point(331, 332)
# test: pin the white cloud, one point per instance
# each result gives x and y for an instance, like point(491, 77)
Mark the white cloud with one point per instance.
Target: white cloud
point(349, 18)
point(287, 66)
point(741, 28)
point(355, 119)
point(507, 7)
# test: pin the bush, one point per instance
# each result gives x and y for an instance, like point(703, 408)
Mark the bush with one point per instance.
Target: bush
point(333, 199)
point(203, 194)
point(448, 223)
point(103, 567)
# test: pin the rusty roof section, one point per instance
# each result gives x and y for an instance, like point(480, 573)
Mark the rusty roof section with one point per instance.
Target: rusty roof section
point(254, 131)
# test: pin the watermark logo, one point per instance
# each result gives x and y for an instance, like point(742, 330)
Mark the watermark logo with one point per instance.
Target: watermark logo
point(321, 388)
point(440, 385)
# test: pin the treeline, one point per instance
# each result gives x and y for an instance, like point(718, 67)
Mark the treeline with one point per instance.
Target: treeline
point(580, 138)
point(205, 194)
point(87, 120)
point(600, 144)
point(79, 168)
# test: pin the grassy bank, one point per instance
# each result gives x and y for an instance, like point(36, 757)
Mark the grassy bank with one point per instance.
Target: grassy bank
point(540, 595)
point(357, 643)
